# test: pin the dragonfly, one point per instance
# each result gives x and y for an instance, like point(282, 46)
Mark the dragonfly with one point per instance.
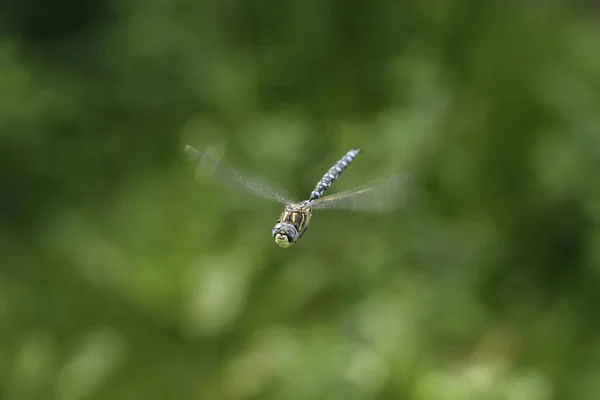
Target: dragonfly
point(379, 195)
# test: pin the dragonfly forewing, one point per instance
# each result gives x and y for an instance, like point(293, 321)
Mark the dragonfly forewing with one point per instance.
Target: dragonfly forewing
point(384, 194)
point(207, 165)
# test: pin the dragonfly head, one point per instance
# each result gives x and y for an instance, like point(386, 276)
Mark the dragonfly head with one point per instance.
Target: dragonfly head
point(285, 234)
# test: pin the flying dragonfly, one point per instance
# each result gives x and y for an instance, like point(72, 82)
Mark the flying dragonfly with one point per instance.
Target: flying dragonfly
point(380, 195)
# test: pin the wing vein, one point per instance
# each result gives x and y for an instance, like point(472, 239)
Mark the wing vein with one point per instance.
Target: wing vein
point(207, 165)
point(384, 194)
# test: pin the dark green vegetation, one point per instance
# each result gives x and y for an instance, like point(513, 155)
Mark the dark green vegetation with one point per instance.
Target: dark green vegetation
point(122, 278)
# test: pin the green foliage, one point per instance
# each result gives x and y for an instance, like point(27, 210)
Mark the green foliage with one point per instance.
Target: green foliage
point(121, 277)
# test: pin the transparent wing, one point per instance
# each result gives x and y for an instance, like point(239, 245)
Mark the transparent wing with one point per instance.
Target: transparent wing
point(383, 194)
point(215, 169)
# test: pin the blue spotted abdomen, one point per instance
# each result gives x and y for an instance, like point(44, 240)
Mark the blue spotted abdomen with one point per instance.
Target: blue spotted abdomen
point(333, 173)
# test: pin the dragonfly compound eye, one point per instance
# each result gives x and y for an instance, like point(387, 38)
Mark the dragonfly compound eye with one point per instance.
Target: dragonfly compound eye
point(284, 234)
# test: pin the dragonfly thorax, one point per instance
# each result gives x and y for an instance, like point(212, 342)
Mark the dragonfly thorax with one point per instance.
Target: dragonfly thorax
point(292, 224)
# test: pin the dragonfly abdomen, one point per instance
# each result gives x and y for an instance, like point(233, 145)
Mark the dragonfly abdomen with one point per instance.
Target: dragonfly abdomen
point(333, 173)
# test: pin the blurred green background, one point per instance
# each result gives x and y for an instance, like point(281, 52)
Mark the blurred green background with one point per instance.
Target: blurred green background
point(121, 277)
